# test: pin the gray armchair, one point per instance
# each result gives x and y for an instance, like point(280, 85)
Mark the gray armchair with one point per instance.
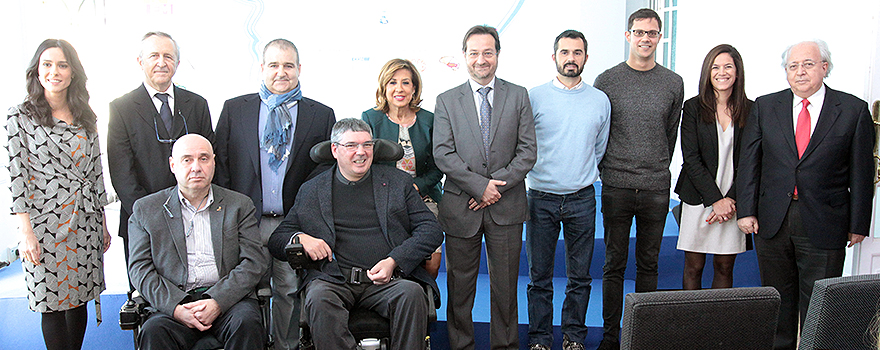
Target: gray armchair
point(735, 318)
point(840, 314)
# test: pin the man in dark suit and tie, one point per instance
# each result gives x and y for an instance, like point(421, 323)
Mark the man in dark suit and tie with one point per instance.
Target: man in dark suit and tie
point(805, 174)
point(196, 256)
point(263, 143)
point(146, 121)
point(484, 141)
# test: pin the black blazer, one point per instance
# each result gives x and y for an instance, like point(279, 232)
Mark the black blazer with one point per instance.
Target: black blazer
point(699, 148)
point(138, 162)
point(238, 147)
point(834, 177)
point(410, 228)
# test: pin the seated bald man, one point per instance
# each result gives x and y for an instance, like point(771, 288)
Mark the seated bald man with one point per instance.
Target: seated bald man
point(372, 232)
point(195, 255)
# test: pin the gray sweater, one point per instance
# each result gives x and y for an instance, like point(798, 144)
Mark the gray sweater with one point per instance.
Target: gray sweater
point(645, 112)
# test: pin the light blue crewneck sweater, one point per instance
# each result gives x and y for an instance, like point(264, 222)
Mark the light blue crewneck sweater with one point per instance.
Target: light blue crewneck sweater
point(572, 131)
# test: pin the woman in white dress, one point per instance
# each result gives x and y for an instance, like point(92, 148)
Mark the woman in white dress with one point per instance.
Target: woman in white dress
point(711, 128)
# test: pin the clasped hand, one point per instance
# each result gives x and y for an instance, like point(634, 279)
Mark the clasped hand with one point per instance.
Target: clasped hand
point(198, 314)
point(491, 195)
point(722, 210)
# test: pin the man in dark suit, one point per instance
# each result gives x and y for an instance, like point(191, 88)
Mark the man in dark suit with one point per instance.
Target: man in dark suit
point(375, 232)
point(484, 141)
point(196, 257)
point(263, 143)
point(145, 122)
point(805, 174)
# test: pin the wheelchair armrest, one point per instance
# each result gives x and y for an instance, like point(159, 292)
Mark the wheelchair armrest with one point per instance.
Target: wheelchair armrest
point(432, 308)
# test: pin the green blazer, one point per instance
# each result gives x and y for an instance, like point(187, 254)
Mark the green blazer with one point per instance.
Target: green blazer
point(427, 174)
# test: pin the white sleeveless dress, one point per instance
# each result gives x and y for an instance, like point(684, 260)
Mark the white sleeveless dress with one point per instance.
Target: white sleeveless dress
point(696, 235)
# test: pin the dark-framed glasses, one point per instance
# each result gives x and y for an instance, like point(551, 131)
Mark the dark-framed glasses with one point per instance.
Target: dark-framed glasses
point(169, 141)
point(807, 64)
point(353, 146)
point(640, 33)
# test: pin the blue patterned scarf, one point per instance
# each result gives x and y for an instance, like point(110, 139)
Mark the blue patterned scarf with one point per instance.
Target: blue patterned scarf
point(276, 133)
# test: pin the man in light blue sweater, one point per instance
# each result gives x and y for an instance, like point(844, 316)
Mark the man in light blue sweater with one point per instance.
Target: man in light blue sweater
point(571, 123)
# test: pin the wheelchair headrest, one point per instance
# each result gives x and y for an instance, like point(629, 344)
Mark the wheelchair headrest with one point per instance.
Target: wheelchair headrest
point(383, 151)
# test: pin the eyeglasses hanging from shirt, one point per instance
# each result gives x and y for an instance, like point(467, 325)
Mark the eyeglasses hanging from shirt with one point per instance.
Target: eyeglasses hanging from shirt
point(170, 141)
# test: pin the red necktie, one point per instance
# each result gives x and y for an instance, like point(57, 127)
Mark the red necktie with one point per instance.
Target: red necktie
point(802, 132)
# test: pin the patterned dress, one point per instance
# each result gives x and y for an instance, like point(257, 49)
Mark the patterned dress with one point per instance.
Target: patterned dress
point(56, 177)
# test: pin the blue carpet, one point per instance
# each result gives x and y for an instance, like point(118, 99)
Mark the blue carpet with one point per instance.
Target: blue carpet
point(20, 328)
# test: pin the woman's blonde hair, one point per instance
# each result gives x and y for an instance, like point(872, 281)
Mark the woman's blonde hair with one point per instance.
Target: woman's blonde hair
point(385, 76)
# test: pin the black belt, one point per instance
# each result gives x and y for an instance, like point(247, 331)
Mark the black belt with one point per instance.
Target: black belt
point(195, 295)
point(357, 275)
point(562, 195)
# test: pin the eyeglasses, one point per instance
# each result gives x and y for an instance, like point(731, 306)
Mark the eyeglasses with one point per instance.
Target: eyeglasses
point(169, 141)
point(807, 64)
point(640, 33)
point(353, 146)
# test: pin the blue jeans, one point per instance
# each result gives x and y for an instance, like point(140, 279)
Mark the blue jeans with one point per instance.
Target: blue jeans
point(577, 214)
point(619, 206)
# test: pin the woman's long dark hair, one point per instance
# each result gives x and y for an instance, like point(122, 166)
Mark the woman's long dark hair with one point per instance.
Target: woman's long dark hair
point(738, 102)
point(77, 96)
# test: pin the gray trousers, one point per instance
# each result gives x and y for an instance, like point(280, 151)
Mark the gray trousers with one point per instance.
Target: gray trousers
point(402, 301)
point(285, 304)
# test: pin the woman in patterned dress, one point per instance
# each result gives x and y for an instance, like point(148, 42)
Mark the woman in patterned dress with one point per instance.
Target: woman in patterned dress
point(397, 117)
point(58, 194)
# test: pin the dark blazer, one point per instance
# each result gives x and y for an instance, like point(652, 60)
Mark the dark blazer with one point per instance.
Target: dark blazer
point(427, 174)
point(406, 222)
point(699, 148)
point(238, 147)
point(138, 162)
point(458, 152)
point(834, 177)
point(158, 265)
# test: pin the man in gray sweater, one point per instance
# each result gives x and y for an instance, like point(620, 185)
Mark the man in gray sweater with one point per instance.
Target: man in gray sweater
point(646, 101)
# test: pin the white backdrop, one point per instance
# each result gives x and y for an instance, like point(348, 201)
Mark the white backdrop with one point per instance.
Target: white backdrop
point(344, 43)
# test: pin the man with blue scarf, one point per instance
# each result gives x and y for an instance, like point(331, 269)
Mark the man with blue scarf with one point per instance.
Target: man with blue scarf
point(262, 147)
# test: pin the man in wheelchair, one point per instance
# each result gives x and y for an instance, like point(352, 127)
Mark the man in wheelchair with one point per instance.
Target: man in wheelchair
point(196, 257)
point(369, 232)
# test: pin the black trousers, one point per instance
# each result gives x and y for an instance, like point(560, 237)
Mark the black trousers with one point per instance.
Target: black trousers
point(402, 301)
point(791, 263)
point(239, 328)
point(619, 207)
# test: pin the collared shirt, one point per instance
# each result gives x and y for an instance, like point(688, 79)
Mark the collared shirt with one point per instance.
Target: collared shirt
point(479, 98)
point(559, 84)
point(273, 182)
point(156, 101)
point(200, 262)
point(815, 108)
point(341, 178)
